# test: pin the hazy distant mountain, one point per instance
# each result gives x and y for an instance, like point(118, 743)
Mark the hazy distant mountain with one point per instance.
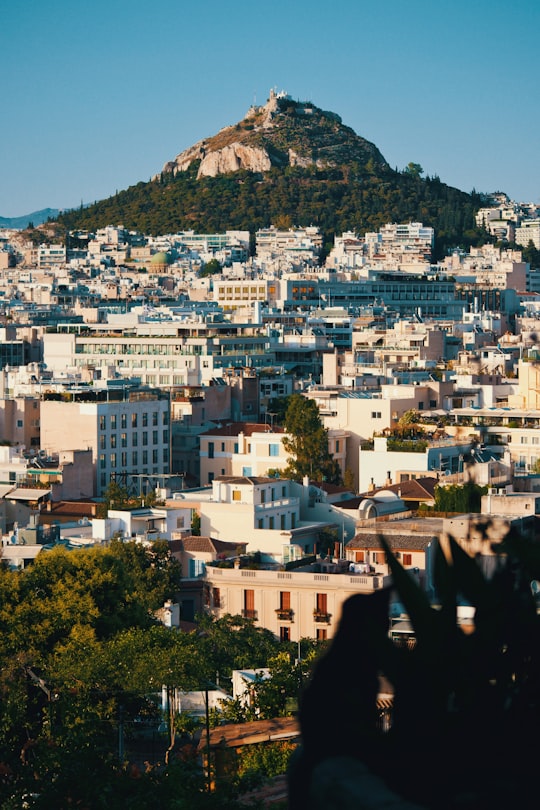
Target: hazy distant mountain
point(37, 218)
point(287, 163)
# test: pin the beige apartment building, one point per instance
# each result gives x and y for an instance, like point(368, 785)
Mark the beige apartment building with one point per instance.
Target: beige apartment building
point(241, 448)
point(262, 513)
point(304, 603)
point(128, 435)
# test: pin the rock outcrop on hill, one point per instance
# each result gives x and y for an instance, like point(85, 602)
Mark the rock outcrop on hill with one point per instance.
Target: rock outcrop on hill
point(281, 133)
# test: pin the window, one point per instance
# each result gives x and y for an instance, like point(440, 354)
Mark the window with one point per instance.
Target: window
point(322, 603)
point(246, 471)
point(210, 449)
point(165, 419)
point(154, 456)
point(123, 421)
point(285, 600)
point(322, 634)
point(222, 447)
point(102, 462)
point(145, 457)
point(216, 597)
point(123, 459)
point(237, 495)
point(155, 418)
point(102, 442)
point(359, 556)
point(263, 496)
point(376, 414)
point(249, 611)
point(113, 440)
point(19, 423)
point(145, 437)
point(284, 492)
point(285, 633)
point(273, 449)
point(145, 420)
point(113, 421)
point(407, 559)
point(271, 523)
point(165, 437)
point(283, 521)
point(155, 437)
point(133, 420)
point(134, 439)
point(378, 557)
point(102, 423)
point(134, 458)
point(123, 439)
point(337, 445)
point(196, 568)
point(113, 459)
point(432, 403)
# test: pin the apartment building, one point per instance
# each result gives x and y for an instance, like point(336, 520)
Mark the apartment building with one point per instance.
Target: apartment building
point(359, 414)
point(385, 463)
point(234, 294)
point(127, 431)
point(529, 231)
point(241, 449)
point(165, 353)
point(293, 604)
point(262, 512)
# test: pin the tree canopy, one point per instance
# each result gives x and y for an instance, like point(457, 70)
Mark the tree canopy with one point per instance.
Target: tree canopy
point(82, 664)
point(307, 442)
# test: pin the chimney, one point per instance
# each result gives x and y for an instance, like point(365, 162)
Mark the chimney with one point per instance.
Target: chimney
point(371, 487)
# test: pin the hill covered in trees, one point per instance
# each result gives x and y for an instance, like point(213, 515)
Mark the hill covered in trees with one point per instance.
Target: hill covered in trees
point(288, 164)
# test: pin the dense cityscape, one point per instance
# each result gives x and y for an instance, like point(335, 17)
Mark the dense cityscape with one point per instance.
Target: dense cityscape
point(239, 420)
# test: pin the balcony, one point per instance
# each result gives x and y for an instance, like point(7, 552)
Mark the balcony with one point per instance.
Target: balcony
point(284, 614)
point(322, 616)
point(249, 614)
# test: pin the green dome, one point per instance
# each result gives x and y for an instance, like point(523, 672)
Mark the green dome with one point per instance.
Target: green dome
point(160, 258)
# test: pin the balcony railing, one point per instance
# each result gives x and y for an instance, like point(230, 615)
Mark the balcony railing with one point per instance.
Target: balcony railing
point(321, 616)
point(249, 614)
point(284, 614)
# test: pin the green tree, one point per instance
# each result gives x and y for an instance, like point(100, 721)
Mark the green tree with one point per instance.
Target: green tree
point(210, 268)
point(414, 170)
point(531, 254)
point(307, 443)
point(455, 498)
point(349, 480)
point(196, 524)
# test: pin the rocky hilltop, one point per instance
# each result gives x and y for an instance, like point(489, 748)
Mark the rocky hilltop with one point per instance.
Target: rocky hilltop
point(281, 133)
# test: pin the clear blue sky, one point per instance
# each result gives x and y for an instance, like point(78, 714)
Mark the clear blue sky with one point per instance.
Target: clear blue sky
point(96, 95)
